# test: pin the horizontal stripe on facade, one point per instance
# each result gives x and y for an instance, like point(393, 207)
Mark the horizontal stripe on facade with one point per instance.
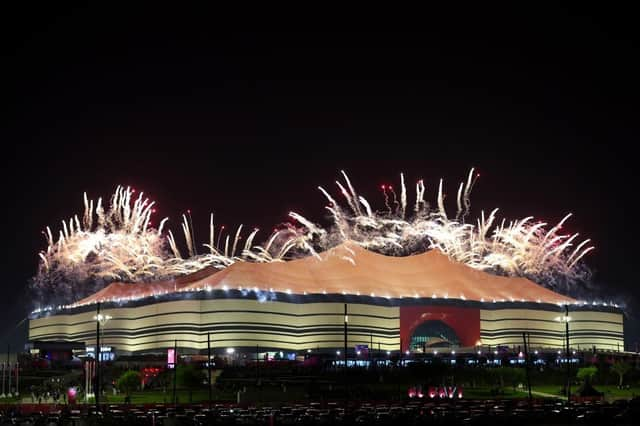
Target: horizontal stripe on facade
point(510, 333)
point(362, 338)
point(340, 316)
point(550, 321)
point(587, 342)
point(486, 339)
point(241, 312)
point(236, 328)
point(549, 331)
point(278, 297)
point(561, 341)
point(243, 326)
point(583, 347)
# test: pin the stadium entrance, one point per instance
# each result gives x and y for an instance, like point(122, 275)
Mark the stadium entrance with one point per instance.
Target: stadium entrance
point(433, 334)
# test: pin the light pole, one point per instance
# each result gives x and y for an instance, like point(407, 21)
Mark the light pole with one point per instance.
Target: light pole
point(96, 390)
point(346, 321)
point(100, 320)
point(566, 319)
point(370, 351)
point(526, 365)
point(566, 332)
point(175, 369)
point(209, 365)
point(257, 365)
point(9, 370)
point(346, 379)
point(17, 376)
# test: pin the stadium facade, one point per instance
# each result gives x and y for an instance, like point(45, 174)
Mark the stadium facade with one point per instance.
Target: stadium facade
point(411, 303)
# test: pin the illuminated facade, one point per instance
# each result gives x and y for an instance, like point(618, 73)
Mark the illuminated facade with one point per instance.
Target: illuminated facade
point(413, 303)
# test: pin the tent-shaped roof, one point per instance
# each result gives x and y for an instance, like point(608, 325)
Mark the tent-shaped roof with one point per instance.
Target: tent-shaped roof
point(124, 291)
point(350, 269)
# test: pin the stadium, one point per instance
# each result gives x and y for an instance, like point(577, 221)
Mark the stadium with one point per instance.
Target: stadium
point(413, 303)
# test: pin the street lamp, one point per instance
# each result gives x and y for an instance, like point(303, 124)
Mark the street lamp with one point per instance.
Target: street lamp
point(566, 319)
point(346, 322)
point(100, 320)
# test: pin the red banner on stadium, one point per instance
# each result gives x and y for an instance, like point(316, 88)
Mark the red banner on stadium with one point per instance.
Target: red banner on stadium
point(464, 321)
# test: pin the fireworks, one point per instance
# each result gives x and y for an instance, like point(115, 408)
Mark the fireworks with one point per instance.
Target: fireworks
point(517, 248)
point(106, 245)
point(120, 244)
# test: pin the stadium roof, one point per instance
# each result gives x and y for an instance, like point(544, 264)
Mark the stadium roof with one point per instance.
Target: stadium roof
point(351, 269)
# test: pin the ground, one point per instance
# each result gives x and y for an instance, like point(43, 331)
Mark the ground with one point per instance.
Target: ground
point(297, 394)
point(610, 391)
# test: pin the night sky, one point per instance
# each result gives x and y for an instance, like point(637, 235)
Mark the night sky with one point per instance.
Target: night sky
point(247, 125)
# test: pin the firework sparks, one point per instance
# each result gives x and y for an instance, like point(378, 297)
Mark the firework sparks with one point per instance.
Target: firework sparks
point(521, 248)
point(122, 246)
point(119, 244)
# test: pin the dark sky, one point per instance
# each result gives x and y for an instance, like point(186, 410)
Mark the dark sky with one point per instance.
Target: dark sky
point(248, 124)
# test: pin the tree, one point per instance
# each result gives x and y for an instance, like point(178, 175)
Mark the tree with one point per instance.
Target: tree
point(128, 382)
point(188, 376)
point(620, 368)
point(586, 373)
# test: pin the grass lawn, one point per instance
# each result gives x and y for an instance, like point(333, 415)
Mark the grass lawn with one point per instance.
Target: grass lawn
point(610, 391)
point(202, 395)
point(613, 391)
point(382, 391)
point(199, 396)
point(485, 393)
point(150, 397)
point(275, 396)
point(550, 389)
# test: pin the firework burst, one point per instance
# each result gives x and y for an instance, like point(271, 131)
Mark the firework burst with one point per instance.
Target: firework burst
point(516, 248)
point(115, 243)
point(120, 244)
